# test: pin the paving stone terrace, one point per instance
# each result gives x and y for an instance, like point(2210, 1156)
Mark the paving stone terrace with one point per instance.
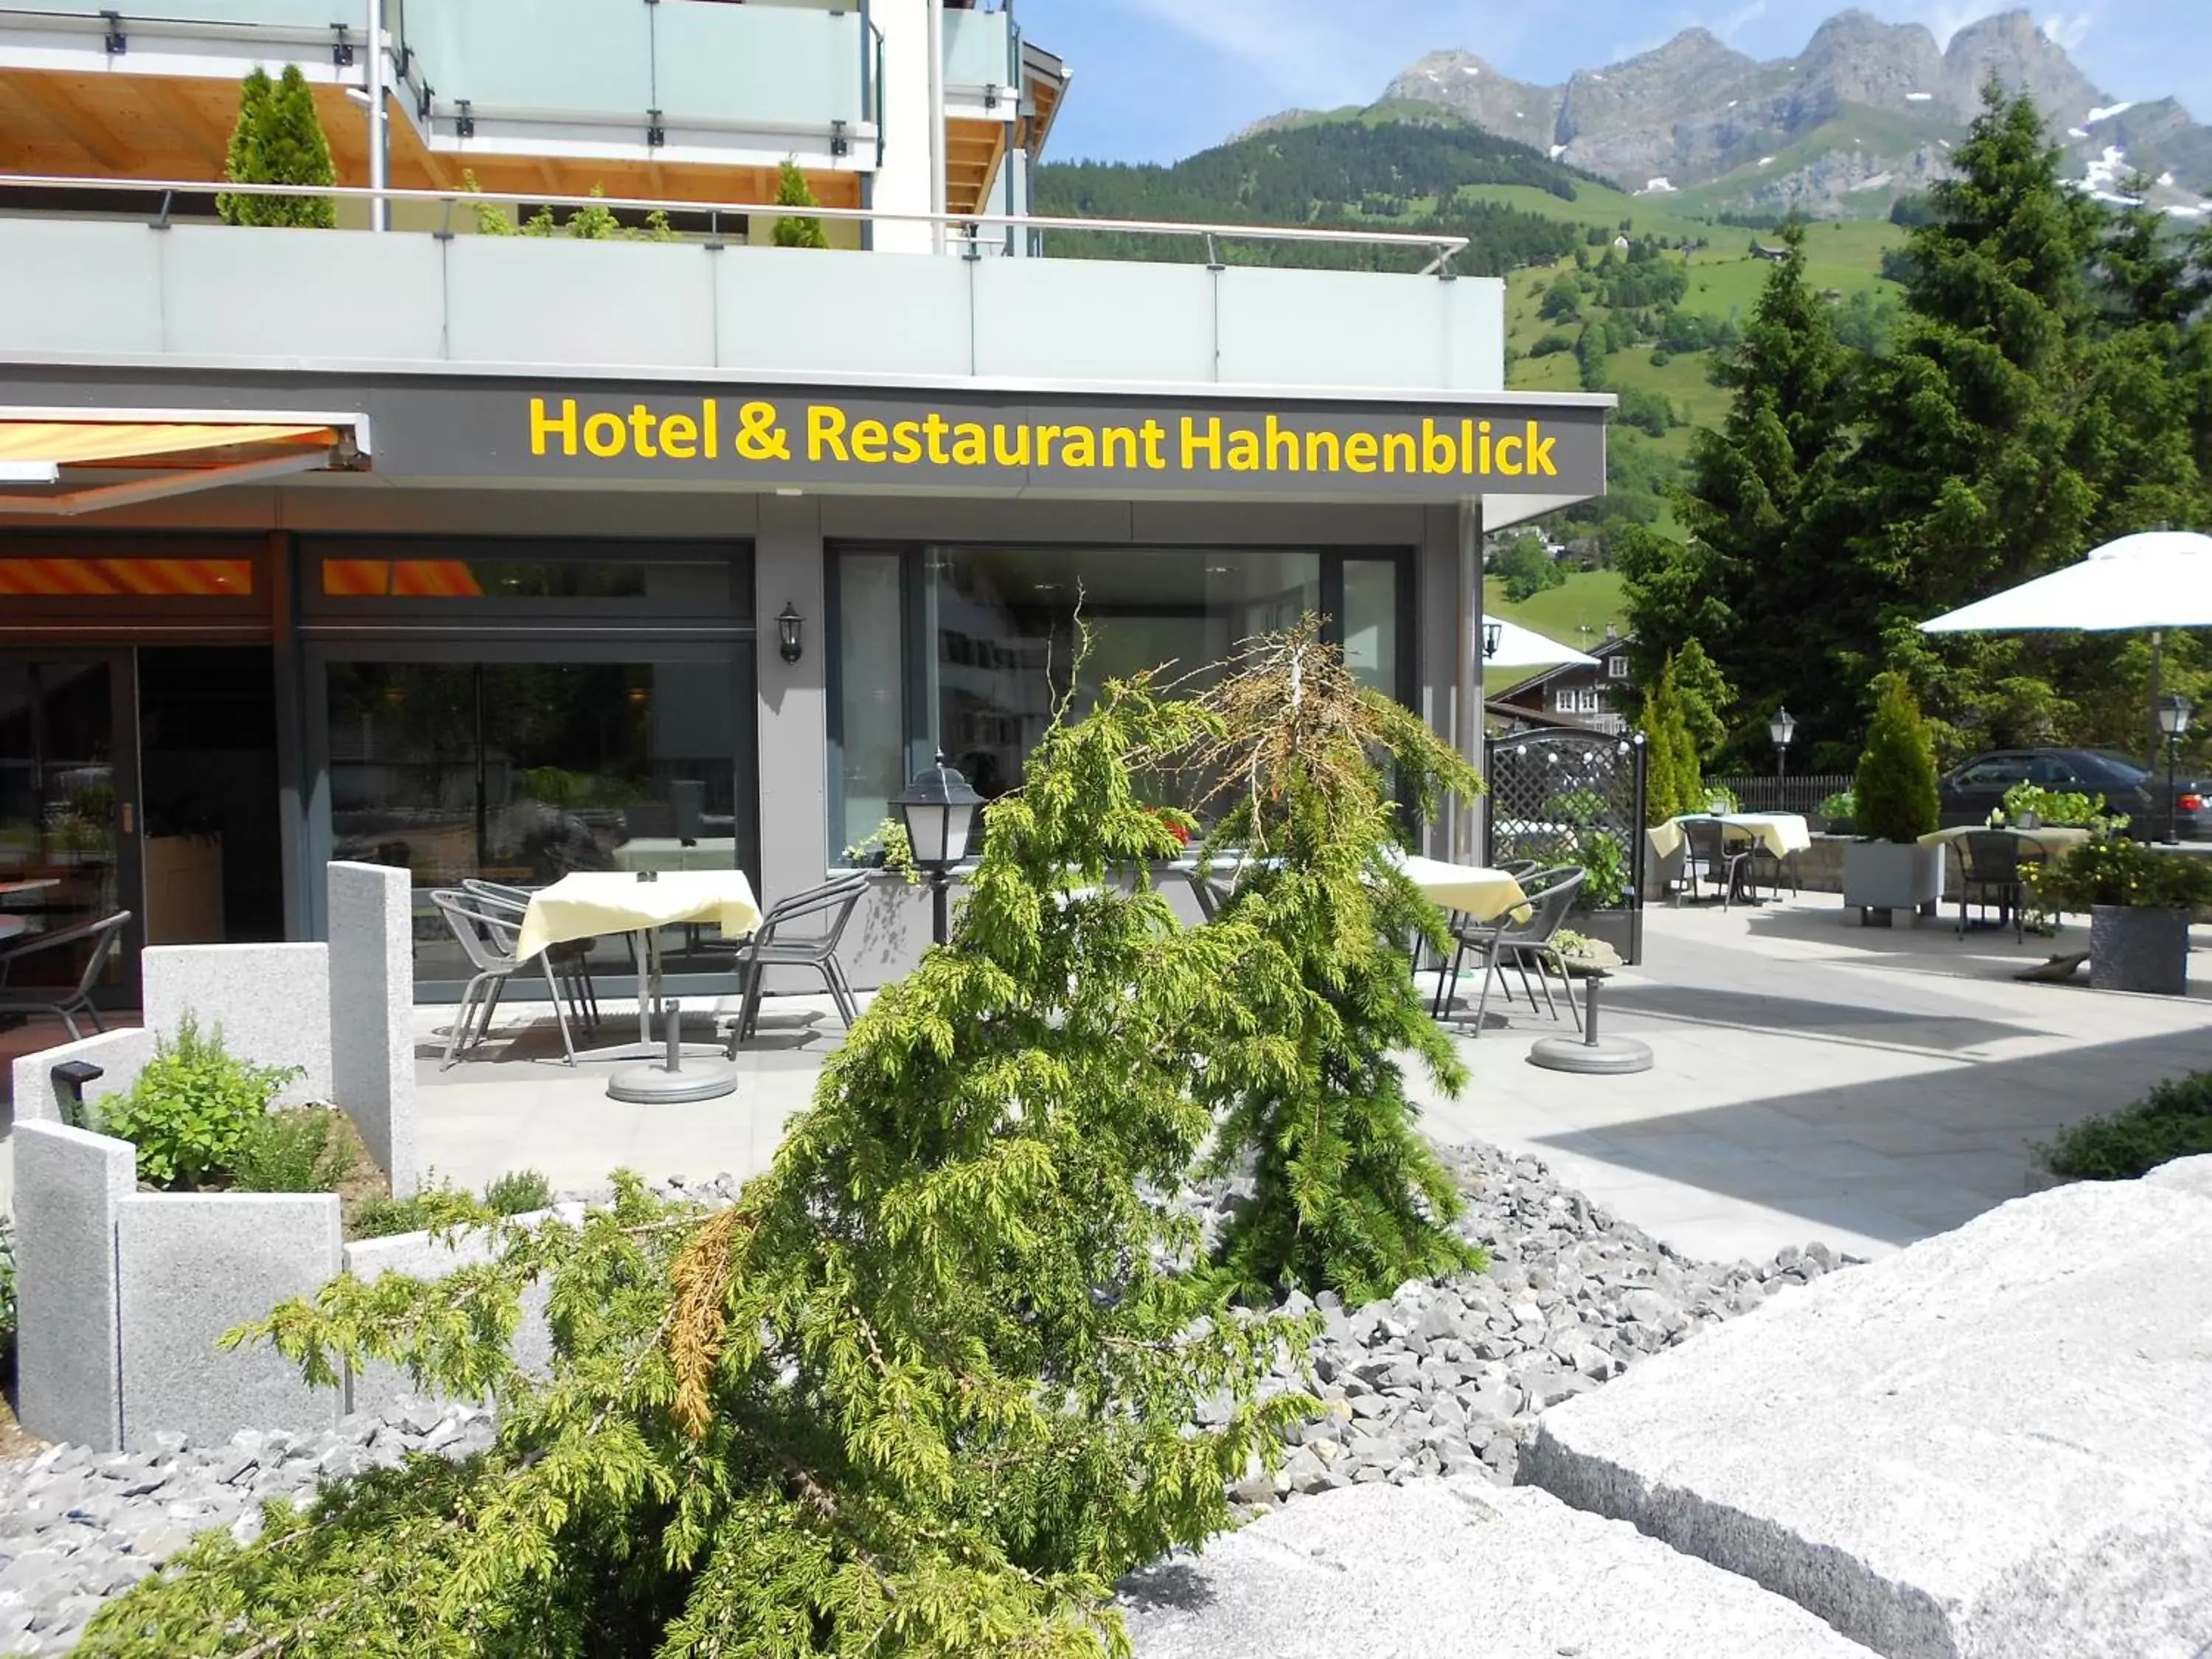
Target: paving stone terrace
point(1814, 1079)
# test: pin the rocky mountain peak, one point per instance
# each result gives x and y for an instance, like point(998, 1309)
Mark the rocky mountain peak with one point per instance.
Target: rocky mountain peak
point(2010, 46)
point(1471, 87)
point(1857, 58)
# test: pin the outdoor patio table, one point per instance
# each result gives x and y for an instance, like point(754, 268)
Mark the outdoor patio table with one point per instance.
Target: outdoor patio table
point(1780, 833)
point(1472, 890)
point(592, 904)
point(2056, 839)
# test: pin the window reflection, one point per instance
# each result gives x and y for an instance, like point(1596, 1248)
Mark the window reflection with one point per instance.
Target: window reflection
point(519, 773)
point(1005, 622)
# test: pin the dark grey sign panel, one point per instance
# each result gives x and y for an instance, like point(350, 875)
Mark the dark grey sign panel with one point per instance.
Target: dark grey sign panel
point(764, 437)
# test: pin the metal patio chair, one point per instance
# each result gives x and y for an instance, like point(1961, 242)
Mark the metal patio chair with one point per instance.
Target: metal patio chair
point(571, 960)
point(1710, 852)
point(61, 1002)
point(770, 945)
point(1990, 862)
point(1518, 943)
point(487, 934)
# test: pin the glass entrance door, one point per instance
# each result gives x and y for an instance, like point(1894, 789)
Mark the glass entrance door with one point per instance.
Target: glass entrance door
point(69, 812)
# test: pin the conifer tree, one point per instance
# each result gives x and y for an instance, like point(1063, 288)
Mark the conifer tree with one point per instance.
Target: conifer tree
point(278, 140)
point(2014, 427)
point(792, 189)
point(927, 1388)
point(1673, 783)
point(1894, 795)
point(1754, 500)
point(1349, 1198)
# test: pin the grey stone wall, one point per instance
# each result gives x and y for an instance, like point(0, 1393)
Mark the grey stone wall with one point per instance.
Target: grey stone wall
point(272, 1000)
point(120, 1056)
point(371, 994)
point(70, 1186)
point(189, 1268)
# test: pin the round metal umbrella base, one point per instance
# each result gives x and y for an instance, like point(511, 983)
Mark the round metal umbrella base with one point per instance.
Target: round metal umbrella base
point(656, 1085)
point(1601, 1056)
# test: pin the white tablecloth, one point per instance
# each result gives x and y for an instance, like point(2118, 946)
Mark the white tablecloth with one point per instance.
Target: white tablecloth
point(1472, 890)
point(1779, 833)
point(667, 852)
point(2053, 838)
point(593, 902)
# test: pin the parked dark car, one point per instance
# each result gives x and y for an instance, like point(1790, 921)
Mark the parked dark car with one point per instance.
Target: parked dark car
point(1971, 792)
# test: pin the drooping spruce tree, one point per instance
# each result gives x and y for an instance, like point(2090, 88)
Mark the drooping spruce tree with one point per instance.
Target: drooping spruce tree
point(1755, 502)
point(925, 1389)
point(1349, 1198)
point(278, 140)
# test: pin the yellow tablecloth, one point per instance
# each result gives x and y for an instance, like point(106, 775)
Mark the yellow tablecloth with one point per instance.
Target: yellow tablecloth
point(593, 902)
point(1471, 888)
point(1779, 833)
point(2055, 837)
point(667, 852)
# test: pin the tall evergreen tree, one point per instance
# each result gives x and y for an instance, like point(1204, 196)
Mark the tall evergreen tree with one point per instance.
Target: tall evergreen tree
point(1779, 611)
point(278, 140)
point(2013, 426)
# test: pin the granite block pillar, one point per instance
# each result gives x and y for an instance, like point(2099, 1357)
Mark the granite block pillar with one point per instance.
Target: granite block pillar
point(70, 1186)
point(372, 1000)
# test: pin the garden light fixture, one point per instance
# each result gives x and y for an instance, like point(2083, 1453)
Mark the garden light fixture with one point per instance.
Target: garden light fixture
point(1782, 728)
point(2174, 711)
point(939, 810)
point(788, 624)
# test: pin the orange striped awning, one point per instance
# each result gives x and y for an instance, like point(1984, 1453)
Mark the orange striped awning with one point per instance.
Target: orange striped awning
point(400, 578)
point(152, 443)
point(76, 579)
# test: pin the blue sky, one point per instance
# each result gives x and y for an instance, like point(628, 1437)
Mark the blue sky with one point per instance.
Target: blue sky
point(1157, 79)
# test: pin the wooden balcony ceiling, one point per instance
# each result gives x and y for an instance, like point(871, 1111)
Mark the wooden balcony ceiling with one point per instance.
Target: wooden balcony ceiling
point(159, 126)
point(973, 150)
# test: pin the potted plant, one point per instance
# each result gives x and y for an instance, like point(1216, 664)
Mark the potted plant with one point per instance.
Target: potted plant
point(1840, 813)
point(1894, 804)
point(1605, 909)
point(2140, 904)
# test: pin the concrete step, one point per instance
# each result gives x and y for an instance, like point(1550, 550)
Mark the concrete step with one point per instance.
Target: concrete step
point(1996, 1443)
point(1450, 1568)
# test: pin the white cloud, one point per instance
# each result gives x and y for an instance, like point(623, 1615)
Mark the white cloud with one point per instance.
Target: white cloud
point(2068, 31)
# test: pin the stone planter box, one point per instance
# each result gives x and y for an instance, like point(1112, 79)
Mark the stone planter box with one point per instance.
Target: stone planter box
point(1623, 929)
point(1881, 877)
point(2139, 950)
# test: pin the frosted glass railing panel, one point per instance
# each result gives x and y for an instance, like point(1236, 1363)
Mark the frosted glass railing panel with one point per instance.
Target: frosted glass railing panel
point(977, 44)
point(781, 65)
point(284, 13)
point(552, 56)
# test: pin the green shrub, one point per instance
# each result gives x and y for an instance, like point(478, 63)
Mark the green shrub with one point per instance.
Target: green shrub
point(1605, 870)
point(192, 1109)
point(1719, 797)
point(308, 1149)
point(7, 1293)
point(1841, 804)
point(1896, 788)
point(2066, 806)
point(1579, 806)
point(278, 140)
point(519, 1192)
point(1553, 345)
point(434, 1204)
point(2118, 871)
point(2174, 1120)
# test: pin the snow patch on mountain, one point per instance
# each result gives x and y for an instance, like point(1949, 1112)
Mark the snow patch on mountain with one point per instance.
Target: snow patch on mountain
point(2107, 113)
point(1661, 185)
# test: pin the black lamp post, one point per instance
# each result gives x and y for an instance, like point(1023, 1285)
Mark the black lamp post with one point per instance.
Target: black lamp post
point(939, 809)
point(788, 622)
point(2174, 711)
point(1782, 728)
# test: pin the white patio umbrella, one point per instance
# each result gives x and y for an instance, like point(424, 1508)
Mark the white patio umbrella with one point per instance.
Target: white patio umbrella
point(2157, 579)
point(1524, 648)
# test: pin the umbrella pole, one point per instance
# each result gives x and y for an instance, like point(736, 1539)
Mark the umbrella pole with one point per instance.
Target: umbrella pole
point(2157, 685)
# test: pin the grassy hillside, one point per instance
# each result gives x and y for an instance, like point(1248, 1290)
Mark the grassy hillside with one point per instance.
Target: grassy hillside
point(1531, 220)
point(1588, 599)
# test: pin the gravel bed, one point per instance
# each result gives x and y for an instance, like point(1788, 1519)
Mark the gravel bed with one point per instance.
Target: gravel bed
point(1440, 1379)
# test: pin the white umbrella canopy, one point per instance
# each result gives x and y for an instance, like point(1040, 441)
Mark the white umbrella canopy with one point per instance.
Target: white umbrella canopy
point(2158, 579)
point(1524, 648)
